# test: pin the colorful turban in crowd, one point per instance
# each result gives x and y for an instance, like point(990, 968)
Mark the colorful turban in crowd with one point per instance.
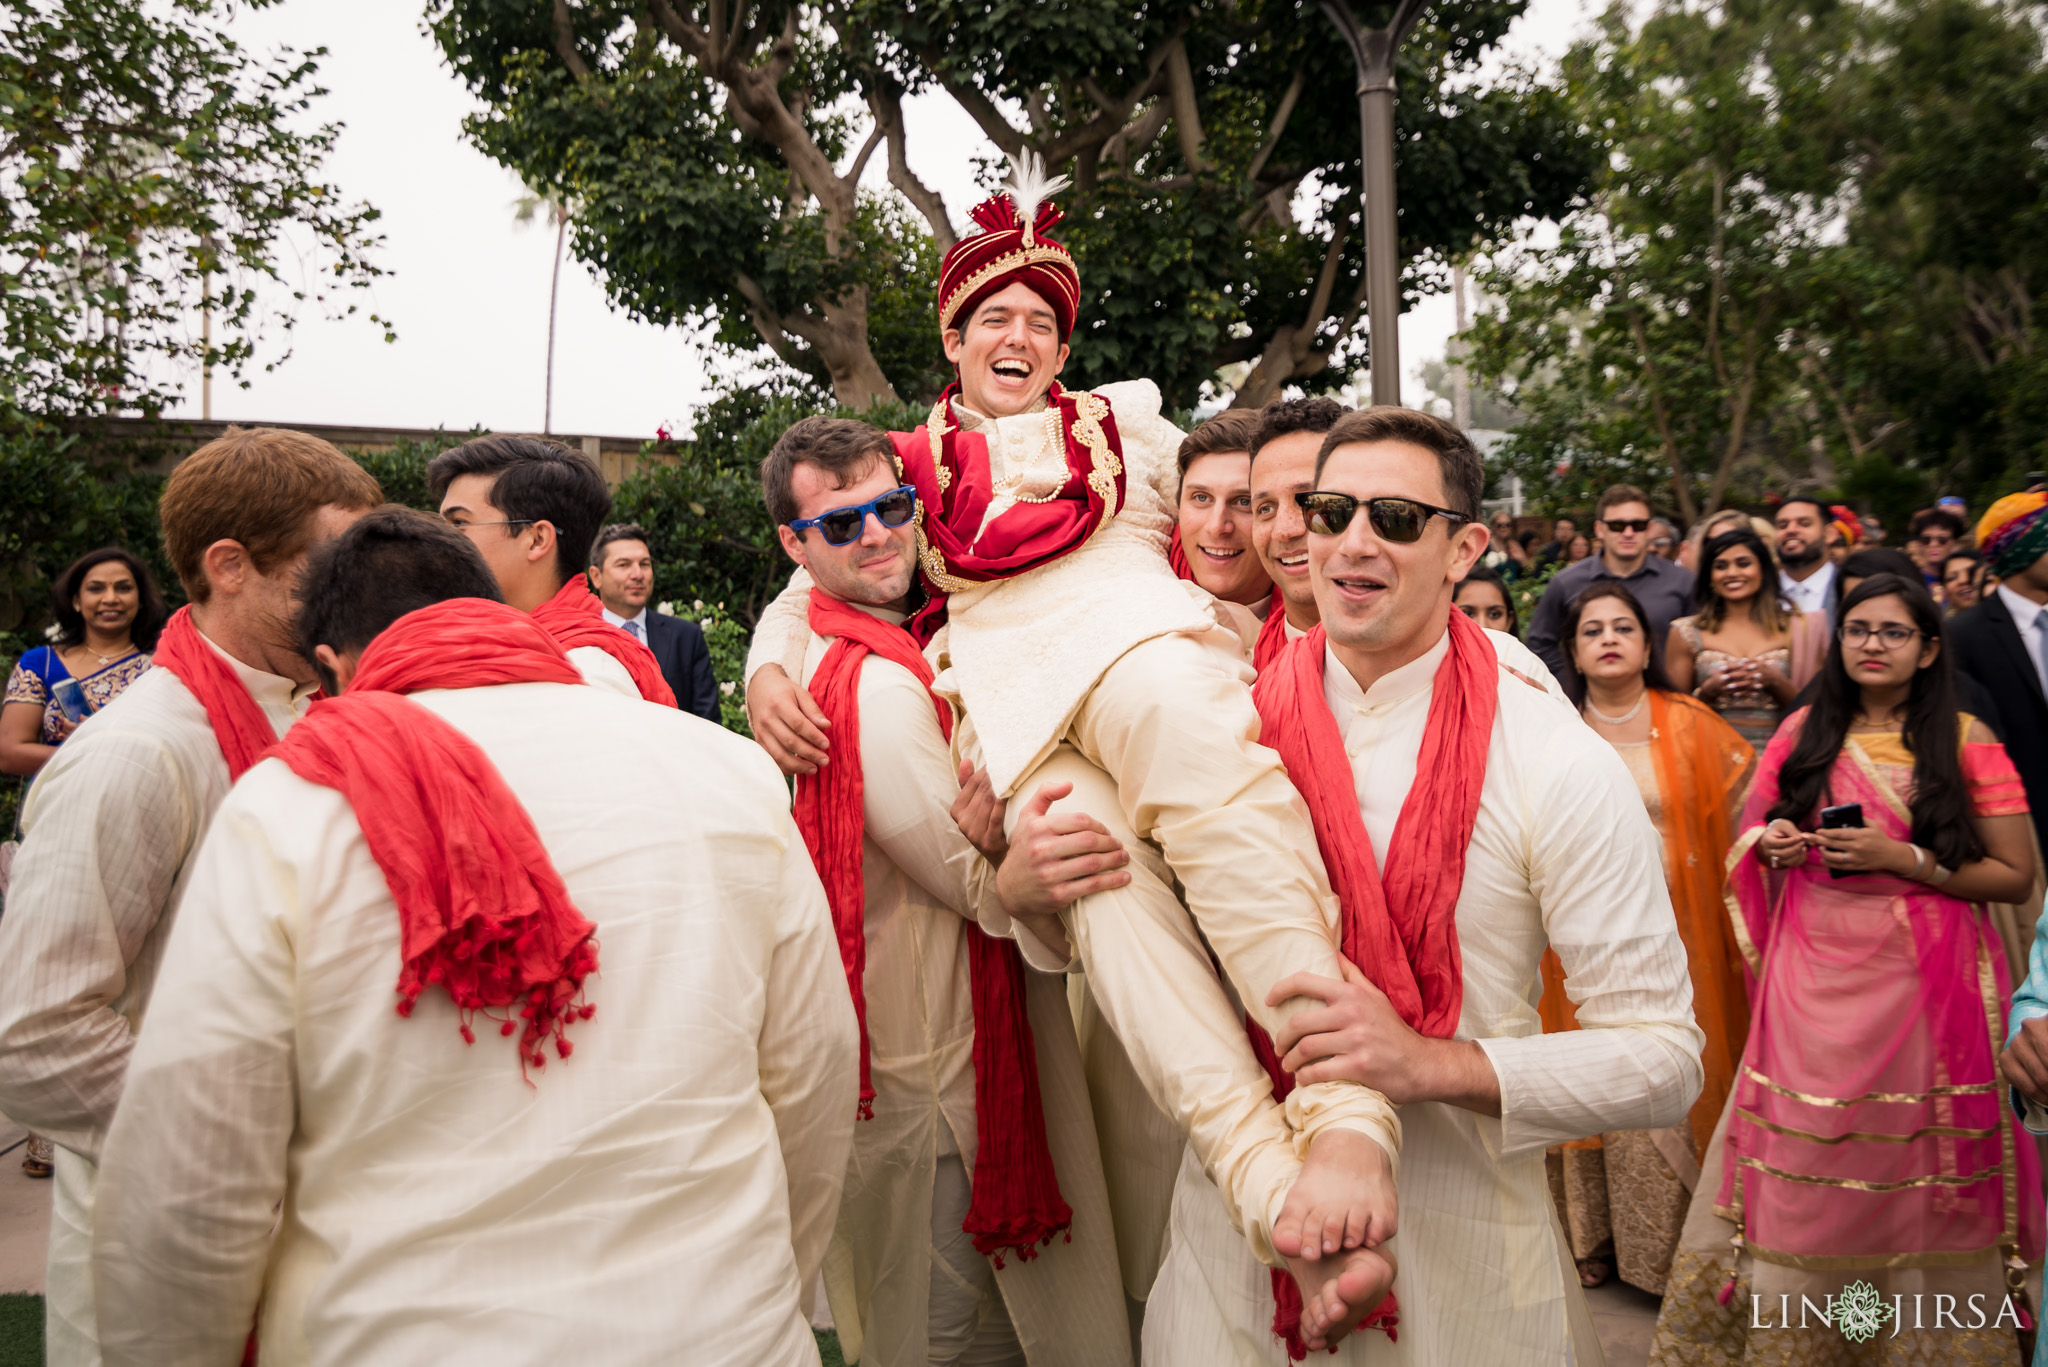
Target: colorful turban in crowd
point(1012, 248)
point(2013, 534)
point(1847, 523)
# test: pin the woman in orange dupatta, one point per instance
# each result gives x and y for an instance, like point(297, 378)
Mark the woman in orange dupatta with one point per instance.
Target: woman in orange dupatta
point(1623, 1196)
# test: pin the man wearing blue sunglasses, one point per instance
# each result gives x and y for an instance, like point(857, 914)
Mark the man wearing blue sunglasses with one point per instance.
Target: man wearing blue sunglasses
point(1077, 657)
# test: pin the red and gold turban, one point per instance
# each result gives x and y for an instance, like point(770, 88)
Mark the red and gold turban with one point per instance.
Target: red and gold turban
point(1011, 248)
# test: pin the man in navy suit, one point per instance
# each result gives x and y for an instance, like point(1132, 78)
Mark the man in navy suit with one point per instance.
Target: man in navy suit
point(622, 573)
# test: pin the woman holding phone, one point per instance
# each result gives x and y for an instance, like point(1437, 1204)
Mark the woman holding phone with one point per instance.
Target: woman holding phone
point(108, 616)
point(1867, 1139)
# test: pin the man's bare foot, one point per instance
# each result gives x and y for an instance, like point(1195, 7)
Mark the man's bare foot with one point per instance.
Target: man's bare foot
point(1343, 1199)
point(1337, 1292)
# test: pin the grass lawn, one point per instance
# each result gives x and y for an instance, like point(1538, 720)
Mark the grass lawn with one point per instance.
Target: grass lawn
point(21, 1331)
point(21, 1335)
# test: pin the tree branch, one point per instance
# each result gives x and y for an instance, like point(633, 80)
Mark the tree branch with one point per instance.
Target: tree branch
point(1279, 124)
point(1681, 483)
point(565, 42)
point(887, 103)
point(867, 149)
point(1187, 113)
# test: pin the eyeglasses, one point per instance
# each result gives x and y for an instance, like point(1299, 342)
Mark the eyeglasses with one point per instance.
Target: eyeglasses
point(508, 522)
point(1400, 520)
point(841, 526)
point(1628, 524)
point(1890, 636)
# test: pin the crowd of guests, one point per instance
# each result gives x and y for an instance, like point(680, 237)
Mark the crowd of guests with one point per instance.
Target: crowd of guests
point(1840, 745)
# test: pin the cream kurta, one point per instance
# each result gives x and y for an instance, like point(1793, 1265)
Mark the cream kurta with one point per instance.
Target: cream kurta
point(890, 1265)
point(602, 669)
point(1097, 668)
point(111, 823)
point(1562, 853)
point(664, 1194)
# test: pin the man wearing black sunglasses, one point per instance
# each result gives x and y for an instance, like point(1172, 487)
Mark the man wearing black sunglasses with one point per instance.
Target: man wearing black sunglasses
point(1623, 523)
point(1483, 820)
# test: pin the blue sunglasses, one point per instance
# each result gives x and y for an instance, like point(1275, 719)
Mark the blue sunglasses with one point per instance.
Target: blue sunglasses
point(840, 526)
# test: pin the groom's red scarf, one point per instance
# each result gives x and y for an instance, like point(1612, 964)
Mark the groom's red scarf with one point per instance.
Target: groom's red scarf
point(1017, 1203)
point(482, 910)
point(955, 486)
point(575, 618)
point(238, 722)
point(1399, 927)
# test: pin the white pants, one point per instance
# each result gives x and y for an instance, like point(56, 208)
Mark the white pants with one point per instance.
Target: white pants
point(70, 1325)
point(968, 1324)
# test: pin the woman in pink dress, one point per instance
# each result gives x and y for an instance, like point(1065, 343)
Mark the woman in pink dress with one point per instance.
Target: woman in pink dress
point(1867, 1154)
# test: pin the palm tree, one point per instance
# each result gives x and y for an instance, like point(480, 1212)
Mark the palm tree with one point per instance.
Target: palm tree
point(525, 209)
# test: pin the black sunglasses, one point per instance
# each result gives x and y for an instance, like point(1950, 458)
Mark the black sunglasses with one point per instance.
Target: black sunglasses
point(1628, 524)
point(841, 526)
point(1400, 520)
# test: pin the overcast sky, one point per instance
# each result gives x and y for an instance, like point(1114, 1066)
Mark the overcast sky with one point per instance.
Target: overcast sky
point(468, 287)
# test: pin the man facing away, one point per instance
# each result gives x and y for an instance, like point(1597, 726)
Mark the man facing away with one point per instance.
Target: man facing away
point(1807, 570)
point(607, 1120)
point(1077, 656)
point(942, 1258)
point(111, 824)
point(1663, 587)
point(1467, 821)
point(622, 577)
point(532, 508)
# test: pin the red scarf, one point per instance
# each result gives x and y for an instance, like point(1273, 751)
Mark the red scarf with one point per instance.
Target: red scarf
point(1177, 556)
point(1400, 929)
point(1272, 636)
point(238, 722)
point(950, 470)
point(481, 908)
point(1017, 1203)
point(575, 618)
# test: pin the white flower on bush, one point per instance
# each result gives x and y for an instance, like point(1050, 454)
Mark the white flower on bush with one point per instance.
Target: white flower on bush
point(665, 609)
point(726, 688)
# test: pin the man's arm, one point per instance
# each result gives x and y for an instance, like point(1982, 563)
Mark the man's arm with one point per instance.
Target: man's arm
point(784, 719)
point(195, 1165)
point(109, 824)
point(1597, 872)
point(809, 1055)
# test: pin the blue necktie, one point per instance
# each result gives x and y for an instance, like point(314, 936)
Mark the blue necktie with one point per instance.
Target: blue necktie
point(633, 627)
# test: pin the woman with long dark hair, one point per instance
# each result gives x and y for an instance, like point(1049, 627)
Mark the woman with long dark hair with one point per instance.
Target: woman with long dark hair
point(1745, 651)
point(108, 616)
point(1867, 1139)
point(1483, 596)
point(1625, 1193)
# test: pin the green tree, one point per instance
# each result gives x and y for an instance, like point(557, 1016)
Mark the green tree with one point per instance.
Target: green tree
point(150, 171)
point(717, 150)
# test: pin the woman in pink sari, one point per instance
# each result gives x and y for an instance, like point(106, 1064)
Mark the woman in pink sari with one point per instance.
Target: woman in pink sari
point(1867, 1160)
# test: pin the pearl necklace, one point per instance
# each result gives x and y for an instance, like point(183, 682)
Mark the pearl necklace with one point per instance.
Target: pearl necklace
point(1625, 718)
point(1055, 442)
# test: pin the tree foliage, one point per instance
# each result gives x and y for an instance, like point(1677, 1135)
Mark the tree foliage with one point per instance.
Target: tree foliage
point(716, 151)
point(1809, 262)
point(150, 169)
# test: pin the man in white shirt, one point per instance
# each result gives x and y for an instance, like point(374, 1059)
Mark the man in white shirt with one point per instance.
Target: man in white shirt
point(1807, 572)
point(532, 508)
point(112, 822)
point(1560, 853)
point(909, 1286)
point(411, 1185)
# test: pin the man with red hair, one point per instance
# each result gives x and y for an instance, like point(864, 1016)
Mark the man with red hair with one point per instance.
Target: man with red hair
point(1077, 656)
point(112, 823)
point(604, 1115)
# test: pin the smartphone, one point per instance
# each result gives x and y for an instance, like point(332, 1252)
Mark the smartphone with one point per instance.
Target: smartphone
point(1848, 816)
point(71, 698)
